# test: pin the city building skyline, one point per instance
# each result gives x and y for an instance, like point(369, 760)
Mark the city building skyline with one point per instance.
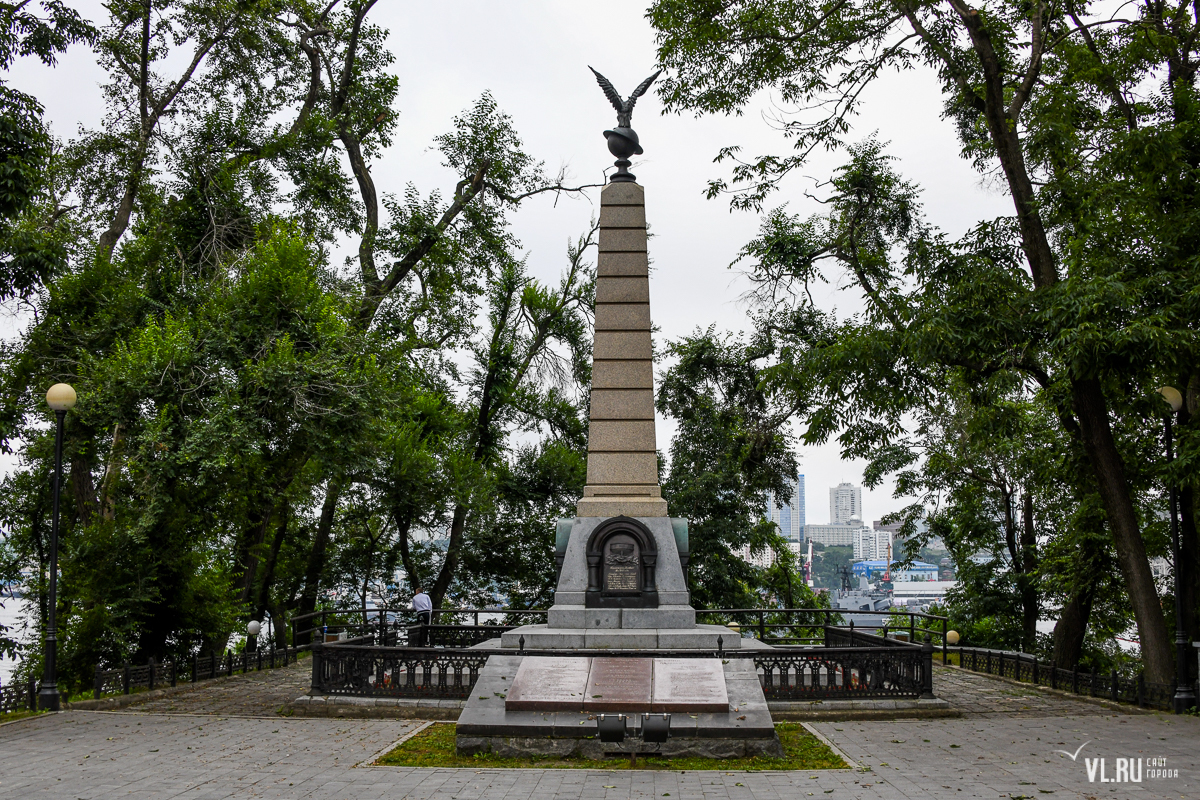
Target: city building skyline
point(788, 514)
point(845, 503)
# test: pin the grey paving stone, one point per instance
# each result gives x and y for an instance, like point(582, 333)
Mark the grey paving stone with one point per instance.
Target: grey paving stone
point(1005, 745)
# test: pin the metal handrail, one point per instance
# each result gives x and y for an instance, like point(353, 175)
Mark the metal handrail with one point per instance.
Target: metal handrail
point(916, 622)
point(375, 618)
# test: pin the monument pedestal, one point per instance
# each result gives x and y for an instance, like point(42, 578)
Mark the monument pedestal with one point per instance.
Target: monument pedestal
point(647, 609)
point(697, 637)
point(556, 721)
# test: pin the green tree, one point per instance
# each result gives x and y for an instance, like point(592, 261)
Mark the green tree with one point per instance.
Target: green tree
point(31, 246)
point(1014, 76)
point(728, 452)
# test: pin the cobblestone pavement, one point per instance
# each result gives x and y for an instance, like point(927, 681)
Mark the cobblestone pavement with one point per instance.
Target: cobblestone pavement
point(1005, 746)
point(255, 694)
point(100, 755)
point(978, 695)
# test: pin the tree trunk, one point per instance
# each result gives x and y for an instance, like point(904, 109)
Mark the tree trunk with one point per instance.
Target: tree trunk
point(264, 588)
point(446, 573)
point(252, 543)
point(1091, 405)
point(403, 520)
point(1072, 626)
point(316, 555)
point(1157, 650)
point(1027, 581)
point(82, 488)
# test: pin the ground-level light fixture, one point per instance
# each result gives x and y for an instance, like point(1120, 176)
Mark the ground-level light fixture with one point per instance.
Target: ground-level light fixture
point(611, 727)
point(656, 728)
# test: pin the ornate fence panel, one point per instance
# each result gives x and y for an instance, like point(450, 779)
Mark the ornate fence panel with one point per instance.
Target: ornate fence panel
point(785, 673)
point(846, 673)
point(361, 671)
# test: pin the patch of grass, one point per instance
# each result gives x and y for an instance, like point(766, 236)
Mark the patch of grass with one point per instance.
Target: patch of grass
point(434, 747)
point(13, 716)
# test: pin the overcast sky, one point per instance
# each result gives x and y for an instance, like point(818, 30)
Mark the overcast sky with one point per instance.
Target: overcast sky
point(534, 56)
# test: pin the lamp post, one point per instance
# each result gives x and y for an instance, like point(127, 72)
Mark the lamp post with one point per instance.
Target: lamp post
point(252, 630)
point(61, 398)
point(1184, 698)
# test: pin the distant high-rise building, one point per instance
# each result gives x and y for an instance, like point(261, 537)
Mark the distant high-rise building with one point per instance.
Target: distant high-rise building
point(843, 534)
point(788, 512)
point(845, 503)
point(872, 545)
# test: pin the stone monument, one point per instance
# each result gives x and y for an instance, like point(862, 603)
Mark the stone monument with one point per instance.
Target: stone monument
point(622, 560)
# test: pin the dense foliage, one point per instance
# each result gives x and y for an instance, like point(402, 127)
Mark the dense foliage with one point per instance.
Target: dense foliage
point(263, 432)
point(1007, 378)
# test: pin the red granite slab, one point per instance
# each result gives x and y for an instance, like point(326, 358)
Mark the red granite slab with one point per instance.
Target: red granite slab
point(689, 684)
point(619, 684)
point(549, 684)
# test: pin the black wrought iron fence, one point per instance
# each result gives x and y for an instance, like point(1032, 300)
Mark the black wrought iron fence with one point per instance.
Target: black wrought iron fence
point(789, 673)
point(19, 696)
point(370, 671)
point(1135, 690)
point(849, 636)
point(398, 627)
point(846, 673)
point(454, 635)
point(808, 626)
point(129, 678)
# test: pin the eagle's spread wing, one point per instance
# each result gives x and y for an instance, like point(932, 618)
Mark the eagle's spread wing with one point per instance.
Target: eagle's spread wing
point(609, 91)
point(641, 89)
point(643, 86)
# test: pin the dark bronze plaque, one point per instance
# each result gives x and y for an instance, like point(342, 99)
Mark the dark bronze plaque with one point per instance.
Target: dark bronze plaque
point(622, 564)
point(619, 684)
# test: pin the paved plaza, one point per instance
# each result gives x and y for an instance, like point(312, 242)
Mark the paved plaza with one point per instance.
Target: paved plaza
point(192, 745)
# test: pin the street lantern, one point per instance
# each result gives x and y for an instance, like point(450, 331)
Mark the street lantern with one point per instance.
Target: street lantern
point(252, 630)
point(952, 637)
point(1184, 698)
point(61, 399)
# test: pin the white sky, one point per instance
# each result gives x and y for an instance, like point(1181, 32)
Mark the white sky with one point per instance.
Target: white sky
point(533, 56)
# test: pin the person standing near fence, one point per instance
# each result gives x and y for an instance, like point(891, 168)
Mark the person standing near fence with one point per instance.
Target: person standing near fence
point(424, 608)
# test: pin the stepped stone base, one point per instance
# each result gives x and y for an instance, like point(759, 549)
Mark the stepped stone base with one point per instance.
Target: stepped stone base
point(698, 637)
point(485, 725)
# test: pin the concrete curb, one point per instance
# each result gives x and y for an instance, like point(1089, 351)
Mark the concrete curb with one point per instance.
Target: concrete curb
point(850, 762)
point(449, 710)
point(934, 708)
point(374, 708)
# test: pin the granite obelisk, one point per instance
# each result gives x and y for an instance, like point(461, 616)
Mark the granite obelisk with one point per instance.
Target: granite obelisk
point(622, 560)
point(622, 465)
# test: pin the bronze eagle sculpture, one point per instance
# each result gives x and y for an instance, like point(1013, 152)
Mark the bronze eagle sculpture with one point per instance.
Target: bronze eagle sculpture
point(624, 107)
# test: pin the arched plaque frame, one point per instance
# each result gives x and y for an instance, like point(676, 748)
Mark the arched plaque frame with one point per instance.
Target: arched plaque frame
point(646, 596)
